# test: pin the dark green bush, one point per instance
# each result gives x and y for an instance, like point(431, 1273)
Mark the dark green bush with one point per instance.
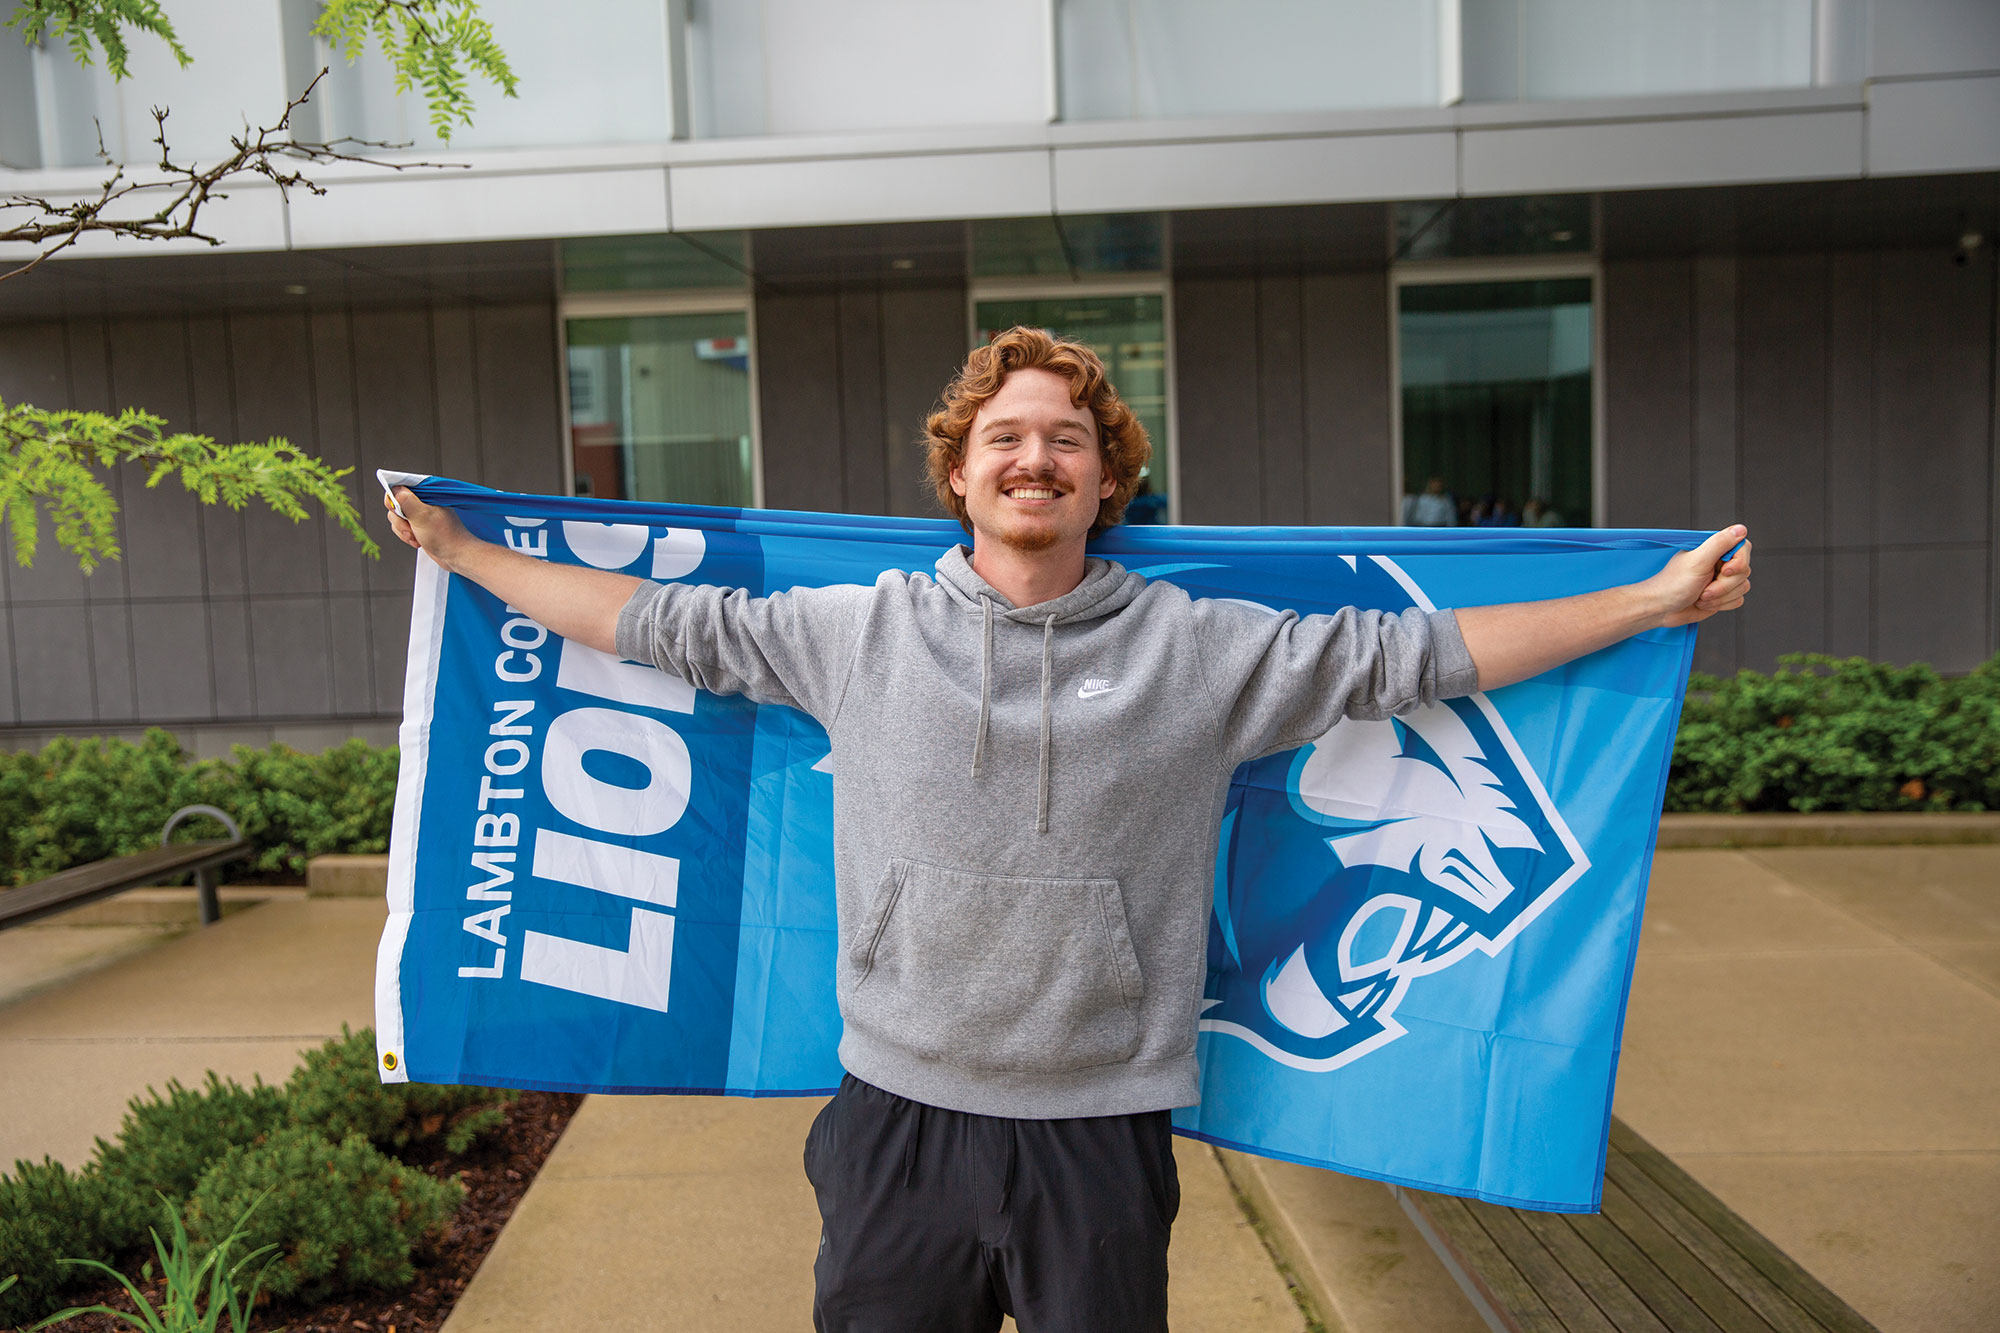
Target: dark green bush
point(167, 1141)
point(48, 1214)
point(342, 1215)
point(337, 1091)
point(81, 801)
point(1824, 733)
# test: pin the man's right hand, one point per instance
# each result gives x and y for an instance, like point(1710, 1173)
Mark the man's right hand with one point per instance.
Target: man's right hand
point(432, 529)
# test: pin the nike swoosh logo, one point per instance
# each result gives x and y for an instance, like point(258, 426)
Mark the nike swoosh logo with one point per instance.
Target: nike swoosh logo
point(1082, 693)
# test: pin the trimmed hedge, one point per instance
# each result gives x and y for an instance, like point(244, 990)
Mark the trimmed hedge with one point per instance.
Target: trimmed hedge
point(1825, 733)
point(78, 801)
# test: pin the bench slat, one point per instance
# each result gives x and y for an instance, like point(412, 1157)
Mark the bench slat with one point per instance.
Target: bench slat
point(1781, 1269)
point(1572, 1306)
point(1685, 1275)
point(1607, 1288)
point(1722, 1259)
point(1507, 1290)
point(101, 879)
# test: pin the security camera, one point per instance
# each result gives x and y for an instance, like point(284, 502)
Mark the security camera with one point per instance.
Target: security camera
point(1968, 243)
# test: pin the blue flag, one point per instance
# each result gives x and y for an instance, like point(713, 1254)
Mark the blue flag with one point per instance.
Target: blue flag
point(602, 879)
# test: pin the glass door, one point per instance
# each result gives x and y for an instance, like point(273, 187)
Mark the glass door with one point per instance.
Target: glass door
point(660, 408)
point(1496, 399)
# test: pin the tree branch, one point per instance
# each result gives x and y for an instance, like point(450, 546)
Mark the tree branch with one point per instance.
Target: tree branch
point(177, 194)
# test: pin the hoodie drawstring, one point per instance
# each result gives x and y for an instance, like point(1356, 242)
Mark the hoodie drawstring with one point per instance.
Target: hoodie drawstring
point(1048, 663)
point(985, 686)
point(986, 704)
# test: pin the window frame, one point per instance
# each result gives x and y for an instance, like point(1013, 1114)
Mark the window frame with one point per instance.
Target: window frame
point(1037, 287)
point(637, 305)
point(1526, 268)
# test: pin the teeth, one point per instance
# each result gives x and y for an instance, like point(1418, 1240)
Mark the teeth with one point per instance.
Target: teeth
point(1032, 493)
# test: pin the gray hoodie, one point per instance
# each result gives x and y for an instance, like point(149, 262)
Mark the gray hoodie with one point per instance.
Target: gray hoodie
point(1027, 800)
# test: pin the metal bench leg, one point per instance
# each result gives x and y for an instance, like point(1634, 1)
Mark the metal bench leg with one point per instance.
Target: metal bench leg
point(211, 910)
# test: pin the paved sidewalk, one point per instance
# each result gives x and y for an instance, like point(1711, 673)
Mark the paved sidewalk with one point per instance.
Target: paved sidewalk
point(242, 997)
point(1814, 1034)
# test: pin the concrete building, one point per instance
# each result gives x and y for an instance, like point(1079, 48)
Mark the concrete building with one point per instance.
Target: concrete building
point(1647, 262)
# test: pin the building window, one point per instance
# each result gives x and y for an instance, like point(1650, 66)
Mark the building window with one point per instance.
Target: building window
point(1497, 419)
point(661, 373)
point(1128, 329)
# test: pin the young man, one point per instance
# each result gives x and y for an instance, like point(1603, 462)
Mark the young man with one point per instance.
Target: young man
point(1032, 748)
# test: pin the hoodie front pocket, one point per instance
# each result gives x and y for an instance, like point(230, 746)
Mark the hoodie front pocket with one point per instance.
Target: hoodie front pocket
point(995, 972)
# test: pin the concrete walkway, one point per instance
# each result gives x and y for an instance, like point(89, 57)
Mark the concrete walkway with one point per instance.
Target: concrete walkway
point(1814, 1034)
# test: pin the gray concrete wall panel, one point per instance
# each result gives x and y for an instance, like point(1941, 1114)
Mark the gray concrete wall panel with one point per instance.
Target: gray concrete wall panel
point(1638, 154)
point(1782, 390)
point(864, 483)
point(350, 659)
point(396, 410)
point(272, 378)
point(1934, 125)
point(209, 352)
point(37, 370)
point(389, 647)
point(1280, 423)
point(159, 525)
point(336, 428)
point(1789, 603)
point(90, 391)
point(52, 664)
point(1216, 386)
point(520, 411)
point(289, 657)
point(1850, 404)
point(1922, 613)
point(1933, 420)
point(1344, 323)
point(170, 660)
point(923, 345)
point(1305, 170)
point(111, 661)
point(229, 645)
point(1850, 603)
point(1717, 499)
point(798, 399)
point(456, 386)
point(1648, 312)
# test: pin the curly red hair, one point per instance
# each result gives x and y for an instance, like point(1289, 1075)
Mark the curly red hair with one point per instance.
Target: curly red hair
point(1121, 439)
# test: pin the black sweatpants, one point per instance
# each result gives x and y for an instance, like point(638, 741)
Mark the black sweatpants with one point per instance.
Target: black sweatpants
point(937, 1221)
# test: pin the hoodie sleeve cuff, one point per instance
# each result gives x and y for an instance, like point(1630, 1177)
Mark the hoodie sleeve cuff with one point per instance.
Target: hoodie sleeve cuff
point(1451, 661)
point(637, 620)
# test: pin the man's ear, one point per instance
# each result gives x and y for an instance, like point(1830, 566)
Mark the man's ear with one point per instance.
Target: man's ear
point(958, 482)
point(1108, 485)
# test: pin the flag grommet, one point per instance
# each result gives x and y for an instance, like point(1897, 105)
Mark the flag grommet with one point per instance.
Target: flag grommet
point(388, 1059)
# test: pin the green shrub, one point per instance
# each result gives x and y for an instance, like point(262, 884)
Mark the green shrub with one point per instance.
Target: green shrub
point(48, 1214)
point(167, 1141)
point(342, 1216)
point(81, 801)
point(337, 1091)
point(1823, 733)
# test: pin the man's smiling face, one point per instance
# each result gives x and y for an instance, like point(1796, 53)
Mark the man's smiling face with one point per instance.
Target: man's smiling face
point(1033, 474)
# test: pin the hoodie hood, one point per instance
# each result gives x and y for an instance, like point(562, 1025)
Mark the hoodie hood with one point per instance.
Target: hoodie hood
point(1107, 588)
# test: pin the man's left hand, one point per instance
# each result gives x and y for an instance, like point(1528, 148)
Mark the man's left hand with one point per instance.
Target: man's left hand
point(1714, 576)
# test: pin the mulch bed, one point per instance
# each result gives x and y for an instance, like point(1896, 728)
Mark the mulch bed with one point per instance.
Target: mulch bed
point(496, 1173)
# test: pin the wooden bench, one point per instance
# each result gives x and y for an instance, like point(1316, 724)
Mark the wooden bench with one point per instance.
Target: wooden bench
point(1665, 1256)
point(101, 879)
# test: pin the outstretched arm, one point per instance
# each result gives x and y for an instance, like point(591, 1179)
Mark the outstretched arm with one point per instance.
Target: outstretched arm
point(569, 600)
point(1516, 640)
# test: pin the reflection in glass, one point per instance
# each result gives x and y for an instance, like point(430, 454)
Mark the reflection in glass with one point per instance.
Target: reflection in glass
point(1539, 224)
point(1130, 334)
point(1066, 246)
point(659, 408)
point(656, 263)
point(1496, 402)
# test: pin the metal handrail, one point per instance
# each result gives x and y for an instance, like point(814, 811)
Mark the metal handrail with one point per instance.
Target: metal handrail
point(204, 879)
